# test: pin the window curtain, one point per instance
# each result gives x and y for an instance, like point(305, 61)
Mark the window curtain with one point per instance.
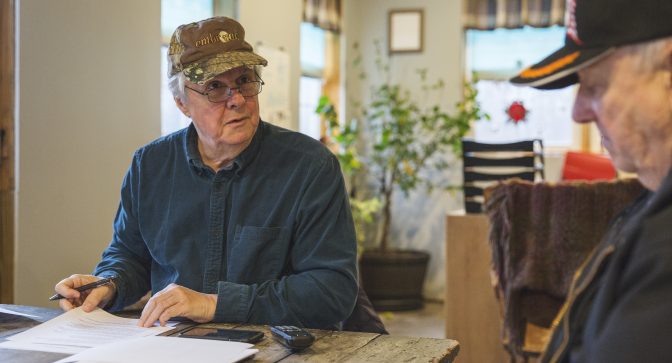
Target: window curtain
point(325, 14)
point(491, 14)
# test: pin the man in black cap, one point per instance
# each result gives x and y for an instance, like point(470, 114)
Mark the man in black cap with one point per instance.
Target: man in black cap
point(231, 219)
point(620, 54)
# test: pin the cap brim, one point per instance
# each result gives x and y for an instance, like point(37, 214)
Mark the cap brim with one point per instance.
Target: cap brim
point(559, 69)
point(220, 63)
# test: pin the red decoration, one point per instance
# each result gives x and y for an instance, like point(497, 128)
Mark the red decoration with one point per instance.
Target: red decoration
point(517, 112)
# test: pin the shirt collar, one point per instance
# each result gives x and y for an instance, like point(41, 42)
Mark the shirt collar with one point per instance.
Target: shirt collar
point(245, 158)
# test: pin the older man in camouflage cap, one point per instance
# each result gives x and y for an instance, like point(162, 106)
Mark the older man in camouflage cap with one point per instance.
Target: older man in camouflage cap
point(230, 219)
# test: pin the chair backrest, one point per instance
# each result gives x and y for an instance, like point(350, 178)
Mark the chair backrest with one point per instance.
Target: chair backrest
point(486, 163)
point(587, 166)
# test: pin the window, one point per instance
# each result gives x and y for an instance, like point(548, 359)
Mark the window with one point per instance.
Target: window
point(310, 89)
point(173, 14)
point(313, 44)
point(494, 56)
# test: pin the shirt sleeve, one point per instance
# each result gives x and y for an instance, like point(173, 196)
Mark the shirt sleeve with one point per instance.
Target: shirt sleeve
point(127, 257)
point(321, 290)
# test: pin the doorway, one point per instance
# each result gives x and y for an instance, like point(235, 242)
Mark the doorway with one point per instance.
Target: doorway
point(7, 184)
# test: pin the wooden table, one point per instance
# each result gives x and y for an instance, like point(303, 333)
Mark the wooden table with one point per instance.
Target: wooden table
point(329, 346)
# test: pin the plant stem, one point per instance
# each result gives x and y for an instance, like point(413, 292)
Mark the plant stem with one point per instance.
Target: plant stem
point(387, 187)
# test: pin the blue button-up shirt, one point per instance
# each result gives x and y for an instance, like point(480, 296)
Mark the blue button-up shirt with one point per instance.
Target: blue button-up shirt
point(272, 236)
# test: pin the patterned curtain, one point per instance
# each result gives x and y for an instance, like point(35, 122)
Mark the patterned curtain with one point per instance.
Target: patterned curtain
point(325, 14)
point(491, 14)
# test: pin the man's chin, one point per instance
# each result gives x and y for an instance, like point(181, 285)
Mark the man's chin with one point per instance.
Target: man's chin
point(623, 164)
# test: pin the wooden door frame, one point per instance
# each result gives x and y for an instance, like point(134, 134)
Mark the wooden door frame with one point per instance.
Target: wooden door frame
point(7, 151)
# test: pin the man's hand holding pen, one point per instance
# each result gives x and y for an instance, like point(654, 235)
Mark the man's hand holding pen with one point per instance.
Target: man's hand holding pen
point(88, 299)
point(90, 291)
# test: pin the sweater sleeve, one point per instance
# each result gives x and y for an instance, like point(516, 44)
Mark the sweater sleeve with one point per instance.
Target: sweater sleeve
point(127, 257)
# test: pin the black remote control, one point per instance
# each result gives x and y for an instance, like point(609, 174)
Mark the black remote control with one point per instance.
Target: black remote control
point(292, 337)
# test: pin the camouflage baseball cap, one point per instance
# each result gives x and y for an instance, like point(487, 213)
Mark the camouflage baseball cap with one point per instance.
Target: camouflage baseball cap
point(205, 49)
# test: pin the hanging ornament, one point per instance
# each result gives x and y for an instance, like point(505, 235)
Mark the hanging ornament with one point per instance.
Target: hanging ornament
point(517, 112)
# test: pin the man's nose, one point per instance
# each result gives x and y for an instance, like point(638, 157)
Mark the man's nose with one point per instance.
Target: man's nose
point(583, 111)
point(234, 98)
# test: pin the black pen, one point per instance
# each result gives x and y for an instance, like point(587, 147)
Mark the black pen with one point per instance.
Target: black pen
point(90, 286)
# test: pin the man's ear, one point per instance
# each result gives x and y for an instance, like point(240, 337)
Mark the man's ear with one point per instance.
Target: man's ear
point(181, 106)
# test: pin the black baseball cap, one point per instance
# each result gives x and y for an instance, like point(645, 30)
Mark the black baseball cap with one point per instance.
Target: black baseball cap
point(596, 28)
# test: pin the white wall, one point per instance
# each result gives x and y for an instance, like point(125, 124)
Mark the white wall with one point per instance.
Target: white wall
point(419, 221)
point(89, 96)
point(277, 24)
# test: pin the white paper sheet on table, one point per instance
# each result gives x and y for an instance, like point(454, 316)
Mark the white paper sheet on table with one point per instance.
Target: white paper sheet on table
point(165, 350)
point(75, 331)
point(7, 311)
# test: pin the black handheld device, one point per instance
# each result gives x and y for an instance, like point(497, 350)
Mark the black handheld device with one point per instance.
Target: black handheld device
point(292, 337)
point(234, 335)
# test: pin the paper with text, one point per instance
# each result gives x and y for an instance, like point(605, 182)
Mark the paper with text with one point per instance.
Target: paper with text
point(77, 330)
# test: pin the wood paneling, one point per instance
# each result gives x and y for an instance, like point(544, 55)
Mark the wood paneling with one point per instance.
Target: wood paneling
point(7, 151)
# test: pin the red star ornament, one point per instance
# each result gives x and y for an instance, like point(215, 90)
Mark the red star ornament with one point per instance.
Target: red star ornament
point(517, 112)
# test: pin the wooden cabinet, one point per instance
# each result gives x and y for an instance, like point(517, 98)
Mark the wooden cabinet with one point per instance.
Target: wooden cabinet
point(472, 312)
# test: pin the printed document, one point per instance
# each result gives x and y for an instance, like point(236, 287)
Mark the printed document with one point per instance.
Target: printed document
point(76, 330)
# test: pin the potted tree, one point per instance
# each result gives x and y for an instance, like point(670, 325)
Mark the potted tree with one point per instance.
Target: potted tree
point(403, 141)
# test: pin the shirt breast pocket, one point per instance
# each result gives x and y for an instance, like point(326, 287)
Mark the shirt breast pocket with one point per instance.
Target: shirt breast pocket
point(257, 254)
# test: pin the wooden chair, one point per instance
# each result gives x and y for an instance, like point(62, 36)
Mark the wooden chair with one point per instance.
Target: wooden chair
point(485, 163)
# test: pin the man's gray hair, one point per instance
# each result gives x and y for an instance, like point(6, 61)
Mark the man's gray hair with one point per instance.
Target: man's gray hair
point(177, 82)
point(650, 54)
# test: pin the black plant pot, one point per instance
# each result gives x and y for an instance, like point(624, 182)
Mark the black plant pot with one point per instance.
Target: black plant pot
point(393, 279)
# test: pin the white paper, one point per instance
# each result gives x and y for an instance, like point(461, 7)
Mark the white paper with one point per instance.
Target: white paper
point(77, 330)
point(7, 311)
point(165, 350)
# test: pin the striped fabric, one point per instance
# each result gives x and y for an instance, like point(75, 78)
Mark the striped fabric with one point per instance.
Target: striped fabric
point(491, 14)
point(325, 14)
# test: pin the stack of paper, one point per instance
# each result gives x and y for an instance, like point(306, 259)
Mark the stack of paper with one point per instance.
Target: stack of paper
point(165, 350)
point(75, 331)
point(102, 337)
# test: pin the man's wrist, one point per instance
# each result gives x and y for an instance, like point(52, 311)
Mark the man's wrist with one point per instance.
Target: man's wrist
point(212, 307)
point(110, 297)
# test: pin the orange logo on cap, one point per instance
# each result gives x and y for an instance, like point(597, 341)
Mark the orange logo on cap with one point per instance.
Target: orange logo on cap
point(551, 67)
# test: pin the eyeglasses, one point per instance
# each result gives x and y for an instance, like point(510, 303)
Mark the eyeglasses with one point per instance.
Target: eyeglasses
point(223, 93)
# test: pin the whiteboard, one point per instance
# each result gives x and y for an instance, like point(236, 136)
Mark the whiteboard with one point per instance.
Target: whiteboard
point(274, 97)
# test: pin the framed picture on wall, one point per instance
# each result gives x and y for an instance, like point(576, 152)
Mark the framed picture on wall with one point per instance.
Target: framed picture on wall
point(405, 31)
